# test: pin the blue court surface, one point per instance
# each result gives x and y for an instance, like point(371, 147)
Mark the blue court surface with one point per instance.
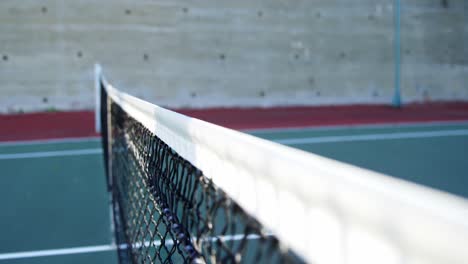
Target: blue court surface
point(55, 206)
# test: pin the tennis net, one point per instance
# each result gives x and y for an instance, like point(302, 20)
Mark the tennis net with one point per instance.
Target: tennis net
point(186, 191)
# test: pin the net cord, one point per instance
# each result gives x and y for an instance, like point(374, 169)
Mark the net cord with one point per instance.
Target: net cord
point(327, 211)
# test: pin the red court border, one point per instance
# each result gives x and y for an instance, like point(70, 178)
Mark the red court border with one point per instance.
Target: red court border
point(58, 125)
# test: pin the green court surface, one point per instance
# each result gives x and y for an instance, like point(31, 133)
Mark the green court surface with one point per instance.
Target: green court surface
point(55, 206)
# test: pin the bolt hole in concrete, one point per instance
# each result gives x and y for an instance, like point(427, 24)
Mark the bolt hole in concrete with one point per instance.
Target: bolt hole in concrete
point(128, 11)
point(45, 100)
point(185, 10)
point(261, 93)
point(259, 13)
point(311, 81)
point(44, 9)
point(79, 54)
point(193, 94)
point(145, 57)
point(222, 56)
point(5, 58)
point(445, 3)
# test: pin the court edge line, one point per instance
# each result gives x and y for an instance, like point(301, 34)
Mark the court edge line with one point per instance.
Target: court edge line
point(50, 141)
point(46, 154)
point(372, 137)
point(100, 248)
point(254, 130)
point(289, 141)
point(57, 252)
point(356, 126)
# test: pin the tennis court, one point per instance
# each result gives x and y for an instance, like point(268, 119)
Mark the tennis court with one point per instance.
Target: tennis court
point(55, 203)
point(269, 132)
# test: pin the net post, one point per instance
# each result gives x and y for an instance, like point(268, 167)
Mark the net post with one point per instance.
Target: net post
point(109, 142)
point(97, 95)
point(112, 201)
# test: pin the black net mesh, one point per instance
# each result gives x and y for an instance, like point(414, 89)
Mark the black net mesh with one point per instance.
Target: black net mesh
point(167, 211)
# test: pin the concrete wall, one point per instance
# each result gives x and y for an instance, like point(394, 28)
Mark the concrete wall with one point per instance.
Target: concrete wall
point(243, 52)
point(434, 49)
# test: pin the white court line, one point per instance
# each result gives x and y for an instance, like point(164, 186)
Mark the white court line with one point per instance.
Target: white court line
point(428, 124)
point(49, 141)
point(57, 252)
point(47, 154)
point(100, 248)
point(260, 130)
point(289, 141)
point(157, 243)
point(371, 137)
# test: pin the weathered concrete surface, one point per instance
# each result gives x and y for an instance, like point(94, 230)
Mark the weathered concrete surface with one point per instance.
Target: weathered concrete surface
point(434, 49)
point(244, 52)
